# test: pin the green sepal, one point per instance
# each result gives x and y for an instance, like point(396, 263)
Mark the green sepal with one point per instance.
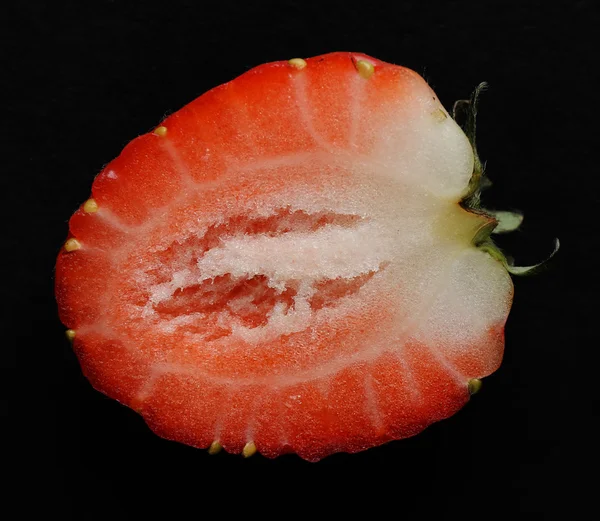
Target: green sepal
point(530, 270)
point(491, 249)
point(507, 221)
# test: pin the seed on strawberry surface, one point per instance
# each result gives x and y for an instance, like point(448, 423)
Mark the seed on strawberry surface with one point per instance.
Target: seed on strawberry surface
point(440, 115)
point(90, 206)
point(72, 245)
point(297, 63)
point(249, 449)
point(215, 448)
point(365, 68)
point(161, 131)
point(475, 385)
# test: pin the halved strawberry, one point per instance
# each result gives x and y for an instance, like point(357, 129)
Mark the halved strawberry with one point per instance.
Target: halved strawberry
point(284, 265)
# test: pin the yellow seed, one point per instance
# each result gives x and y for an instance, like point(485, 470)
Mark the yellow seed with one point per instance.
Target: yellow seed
point(249, 449)
point(161, 131)
point(365, 68)
point(439, 115)
point(90, 206)
point(72, 245)
point(215, 448)
point(474, 386)
point(297, 63)
point(70, 334)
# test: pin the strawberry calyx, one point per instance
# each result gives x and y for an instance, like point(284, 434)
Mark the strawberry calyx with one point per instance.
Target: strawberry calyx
point(500, 221)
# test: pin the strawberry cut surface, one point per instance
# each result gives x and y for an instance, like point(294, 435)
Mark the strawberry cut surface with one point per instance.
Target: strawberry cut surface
point(284, 265)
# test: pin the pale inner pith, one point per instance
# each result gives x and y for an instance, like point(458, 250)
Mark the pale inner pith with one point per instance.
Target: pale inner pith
point(259, 277)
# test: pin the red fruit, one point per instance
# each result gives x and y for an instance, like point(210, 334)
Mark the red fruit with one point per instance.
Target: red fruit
point(284, 265)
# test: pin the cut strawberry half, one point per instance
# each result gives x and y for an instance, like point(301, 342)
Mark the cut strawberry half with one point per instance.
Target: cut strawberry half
point(284, 265)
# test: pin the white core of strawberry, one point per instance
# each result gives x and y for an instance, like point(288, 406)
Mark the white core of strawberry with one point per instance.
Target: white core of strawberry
point(307, 257)
point(298, 261)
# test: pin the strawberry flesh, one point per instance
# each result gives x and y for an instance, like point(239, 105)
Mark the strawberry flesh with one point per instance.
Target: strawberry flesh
point(287, 264)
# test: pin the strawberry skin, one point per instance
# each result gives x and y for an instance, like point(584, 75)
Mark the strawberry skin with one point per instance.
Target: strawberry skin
point(283, 265)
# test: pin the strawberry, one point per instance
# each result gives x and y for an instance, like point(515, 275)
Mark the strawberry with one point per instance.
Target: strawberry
point(296, 261)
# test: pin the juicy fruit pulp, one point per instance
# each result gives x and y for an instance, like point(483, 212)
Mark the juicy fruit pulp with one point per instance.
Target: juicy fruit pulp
point(284, 265)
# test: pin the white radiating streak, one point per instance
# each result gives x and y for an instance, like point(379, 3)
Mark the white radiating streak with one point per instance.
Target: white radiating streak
point(113, 221)
point(412, 388)
point(444, 361)
point(356, 90)
point(254, 411)
point(371, 402)
point(180, 167)
point(147, 390)
point(302, 102)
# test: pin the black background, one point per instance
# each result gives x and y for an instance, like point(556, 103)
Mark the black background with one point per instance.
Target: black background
point(84, 78)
